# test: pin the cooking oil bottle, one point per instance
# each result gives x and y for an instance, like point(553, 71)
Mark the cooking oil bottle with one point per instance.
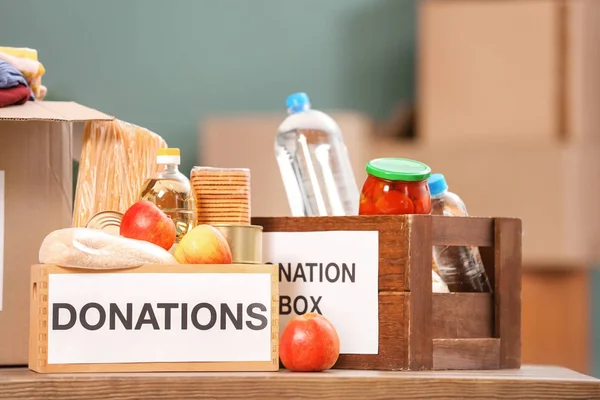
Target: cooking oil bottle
point(172, 192)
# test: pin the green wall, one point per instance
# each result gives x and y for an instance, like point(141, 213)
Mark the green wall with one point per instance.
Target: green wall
point(165, 64)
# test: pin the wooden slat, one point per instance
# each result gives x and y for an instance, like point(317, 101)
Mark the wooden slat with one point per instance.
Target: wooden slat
point(507, 290)
point(420, 350)
point(462, 315)
point(488, 259)
point(466, 353)
point(393, 337)
point(528, 383)
point(393, 239)
point(460, 231)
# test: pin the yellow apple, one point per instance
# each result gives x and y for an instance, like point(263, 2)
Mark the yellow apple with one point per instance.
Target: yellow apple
point(203, 245)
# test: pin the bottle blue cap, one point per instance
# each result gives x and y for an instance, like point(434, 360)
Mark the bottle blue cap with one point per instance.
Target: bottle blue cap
point(297, 102)
point(437, 184)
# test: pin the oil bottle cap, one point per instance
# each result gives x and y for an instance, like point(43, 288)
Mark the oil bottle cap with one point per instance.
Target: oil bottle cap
point(437, 184)
point(297, 102)
point(398, 169)
point(168, 156)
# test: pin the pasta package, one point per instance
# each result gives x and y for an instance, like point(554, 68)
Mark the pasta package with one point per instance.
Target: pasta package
point(116, 159)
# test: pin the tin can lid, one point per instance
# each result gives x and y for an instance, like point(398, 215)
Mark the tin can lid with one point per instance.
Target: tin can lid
point(107, 221)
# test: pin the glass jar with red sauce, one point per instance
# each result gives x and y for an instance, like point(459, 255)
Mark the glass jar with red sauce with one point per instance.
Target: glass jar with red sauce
point(395, 186)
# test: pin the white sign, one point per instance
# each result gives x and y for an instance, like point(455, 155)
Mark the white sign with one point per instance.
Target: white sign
point(159, 317)
point(1, 236)
point(332, 273)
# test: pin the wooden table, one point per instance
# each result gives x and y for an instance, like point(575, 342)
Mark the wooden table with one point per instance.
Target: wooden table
point(530, 382)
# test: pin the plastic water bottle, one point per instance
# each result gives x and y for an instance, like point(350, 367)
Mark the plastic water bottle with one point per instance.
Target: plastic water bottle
point(460, 267)
point(314, 163)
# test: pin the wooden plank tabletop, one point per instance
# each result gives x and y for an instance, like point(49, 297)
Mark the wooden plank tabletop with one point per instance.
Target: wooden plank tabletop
point(530, 382)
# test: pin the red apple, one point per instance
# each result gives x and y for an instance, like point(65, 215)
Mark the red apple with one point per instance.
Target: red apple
point(145, 221)
point(309, 343)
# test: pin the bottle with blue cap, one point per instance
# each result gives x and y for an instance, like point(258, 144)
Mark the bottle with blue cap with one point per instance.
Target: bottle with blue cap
point(313, 162)
point(460, 267)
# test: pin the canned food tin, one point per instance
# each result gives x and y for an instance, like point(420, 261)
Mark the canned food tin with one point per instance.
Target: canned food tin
point(107, 221)
point(245, 242)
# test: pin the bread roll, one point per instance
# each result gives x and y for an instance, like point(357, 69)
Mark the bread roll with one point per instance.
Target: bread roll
point(95, 249)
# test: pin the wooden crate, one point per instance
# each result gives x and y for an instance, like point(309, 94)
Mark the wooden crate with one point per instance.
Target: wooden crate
point(42, 295)
point(420, 330)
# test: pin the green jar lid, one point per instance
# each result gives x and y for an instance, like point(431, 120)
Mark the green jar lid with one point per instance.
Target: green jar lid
point(398, 169)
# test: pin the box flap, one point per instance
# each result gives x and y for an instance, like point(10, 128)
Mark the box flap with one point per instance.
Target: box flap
point(67, 111)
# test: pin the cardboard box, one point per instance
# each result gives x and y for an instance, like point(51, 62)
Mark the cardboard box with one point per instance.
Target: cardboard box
point(38, 142)
point(552, 187)
point(508, 70)
point(557, 318)
point(248, 141)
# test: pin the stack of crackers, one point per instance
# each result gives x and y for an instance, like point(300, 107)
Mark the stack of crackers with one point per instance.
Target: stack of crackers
point(222, 195)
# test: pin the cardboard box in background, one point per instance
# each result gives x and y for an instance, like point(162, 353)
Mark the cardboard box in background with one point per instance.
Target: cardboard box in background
point(553, 187)
point(37, 147)
point(556, 318)
point(248, 141)
point(522, 70)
